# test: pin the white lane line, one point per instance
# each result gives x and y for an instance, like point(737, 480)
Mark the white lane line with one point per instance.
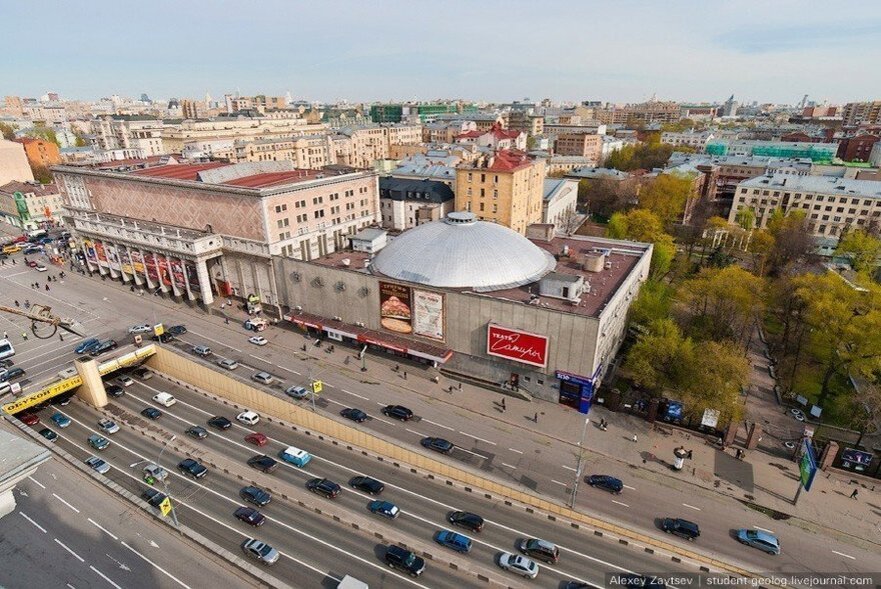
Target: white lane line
point(105, 577)
point(763, 529)
point(382, 404)
point(354, 394)
point(568, 468)
point(97, 525)
point(66, 503)
point(417, 433)
point(509, 465)
point(558, 482)
point(224, 344)
point(472, 453)
point(71, 586)
point(629, 487)
point(476, 438)
point(60, 543)
point(619, 503)
point(515, 450)
point(36, 482)
point(39, 527)
point(159, 568)
point(381, 419)
point(691, 507)
point(844, 555)
point(287, 369)
point(438, 424)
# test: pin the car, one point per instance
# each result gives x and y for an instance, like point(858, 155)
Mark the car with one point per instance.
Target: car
point(466, 519)
point(197, 431)
point(366, 485)
point(609, 483)
point(60, 420)
point(67, 372)
point(32, 250)
point(86, 346)
point(140, 328)
point(758, 539)
point(192, 467)
point(98, 442)
point(40, 267)
point(97, 464)
point(177, 329)
point(324, 487)
point(10, 374)
point(31, 264)
point(397, 412)
point(438, 445)
point(228, 364)
point(28, 418)
point(220, 422)
point(452, 540)
point(255, 495)
point(518, 564)
point(250, 516)
point(539, 550)
point(384, 508)
point(62, 400)
point(680, 527)
point(262, 377)
point(248, 418)
point(48, 434)
point(297, 392)
point(154, 497)
point(260, 551)
point(114, 390)
point(164, 399)
point(143, 374)
point(164, 338)
point(257, 439)
point(354, 414)
point(295, 456)
point(263, 463)
point(401, 558)
point(107, 426)
point(151, 413)
point(798, 414)
point(202, 351)
point(155, 471)
point(104, 346)
point(258, 340)
point(125, 381)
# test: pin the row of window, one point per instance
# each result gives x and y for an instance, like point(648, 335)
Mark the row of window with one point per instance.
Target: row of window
point(320, 199)
point(867, 202)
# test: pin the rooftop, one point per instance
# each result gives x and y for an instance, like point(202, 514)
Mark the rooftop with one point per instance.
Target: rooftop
point(558, 187)
point(819, 184)
point(29, 188)
point(504, 160)
point(410, 189)
point(594, 173)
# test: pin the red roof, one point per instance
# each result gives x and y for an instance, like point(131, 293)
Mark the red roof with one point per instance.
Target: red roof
point(509, 160)
point(273, 178)
point(178, 171)
point(469, 135)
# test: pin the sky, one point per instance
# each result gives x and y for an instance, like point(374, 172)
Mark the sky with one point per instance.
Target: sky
point(487, 50)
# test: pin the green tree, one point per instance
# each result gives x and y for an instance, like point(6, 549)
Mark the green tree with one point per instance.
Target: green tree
point(604, 197)
point(792, 241)
point(722, 303)
point(41, 131)
point(8, 131)
point(654, 303)
point(659, 359)
point(862, 248)
point(42, 174)
point(761, 245)
point(643, 225)
point(666, 196)
point(80, 140)
point(717, 374)
point(642, 156)
point(746, 218)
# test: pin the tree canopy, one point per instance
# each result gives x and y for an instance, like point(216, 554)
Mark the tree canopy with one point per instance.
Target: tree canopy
point(722, 303)
point(8, 131)
point(666, 196)
point(642, 156)
point(643, 225)
point(862, 248)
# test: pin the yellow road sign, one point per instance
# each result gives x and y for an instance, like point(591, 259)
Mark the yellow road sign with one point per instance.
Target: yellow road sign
point(158, 329)
point(317, 385)
point(165, 506)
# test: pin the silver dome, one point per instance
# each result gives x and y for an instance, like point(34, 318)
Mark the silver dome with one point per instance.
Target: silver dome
point(462, 252)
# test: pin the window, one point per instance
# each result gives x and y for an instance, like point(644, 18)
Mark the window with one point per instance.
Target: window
point(481, 207)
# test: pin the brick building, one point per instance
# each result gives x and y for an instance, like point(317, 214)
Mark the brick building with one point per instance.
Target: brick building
point(40, 153)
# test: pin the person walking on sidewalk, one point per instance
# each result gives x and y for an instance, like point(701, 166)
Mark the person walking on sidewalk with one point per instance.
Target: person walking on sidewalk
point(535, 419)
point(504, 408)
point(854, 494)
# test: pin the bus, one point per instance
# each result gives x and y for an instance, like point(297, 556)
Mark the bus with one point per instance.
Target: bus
point(6, 349)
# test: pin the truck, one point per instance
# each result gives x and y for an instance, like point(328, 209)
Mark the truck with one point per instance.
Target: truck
point(350, 582)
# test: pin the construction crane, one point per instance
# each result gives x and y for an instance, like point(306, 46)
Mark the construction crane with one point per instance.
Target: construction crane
point(43, 323)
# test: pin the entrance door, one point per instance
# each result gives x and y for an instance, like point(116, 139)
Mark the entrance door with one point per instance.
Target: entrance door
point(570, 393)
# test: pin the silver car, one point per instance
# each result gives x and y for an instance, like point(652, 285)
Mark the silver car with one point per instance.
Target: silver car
point(260, 551)
point(97, 464)
point(262, 377)
point(518, 564)
point(228, 364)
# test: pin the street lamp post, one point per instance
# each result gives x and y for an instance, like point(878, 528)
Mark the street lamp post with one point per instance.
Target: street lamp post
point(578, 465)
point(165, 480)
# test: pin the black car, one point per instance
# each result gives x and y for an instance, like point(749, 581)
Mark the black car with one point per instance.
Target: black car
point(324, 487)
point(48, 434)
point(154, 497)
point(263, 463)
point(164, 338)
point(114, 390)
point(197, 431)
point(220, 422)
point(177, 329)
point(466, 519)
point(62, 399)
point(438, 445)
point(151, 413)
point(193, 468)
point(680, 527)
point(354, 414)
point(12, 374)
point(397, 412)
point(400, 558)
point(143, 374)
point(250, 516)
point(603, 481)
point(255, 495)
point(367, 485)
point(104, 346)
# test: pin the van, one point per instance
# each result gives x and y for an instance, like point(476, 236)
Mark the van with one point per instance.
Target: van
point(164, 399)
point(202, 351)
point(295, 456)
point(6, 349)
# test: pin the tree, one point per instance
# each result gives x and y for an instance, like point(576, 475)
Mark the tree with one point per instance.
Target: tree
point(666, 196)
point(862, 248)
point(605, 197)
point(643, 225)
point(658, 360)
point(41, 131)
point(80, 140)
point(42, 174)
point(639, 157)
point(570, 221)
point(722, 303)
point(654, 303)
point(746, 218)
point(531, 142)
point(761, 245)
point(792, 242)
point(8, 131)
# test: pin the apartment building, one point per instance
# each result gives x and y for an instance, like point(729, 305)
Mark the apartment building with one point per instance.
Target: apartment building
point(446, 131)
point(30, 205)
point(640, 114)
point(140, 133)
point(406, 203)
point(856, 114)
point(579, 144)
point(174, 136)
point(40, 153)
point(369, 143)
point(527, 122)
point(495, 138)
point(307, 152)
point(695, 140)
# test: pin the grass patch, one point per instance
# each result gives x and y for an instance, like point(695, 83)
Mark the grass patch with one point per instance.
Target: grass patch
point(808, 382)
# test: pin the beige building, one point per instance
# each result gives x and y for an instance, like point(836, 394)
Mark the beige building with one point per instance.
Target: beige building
point(643, 113)
point(361, 146)
point(175, 136)
point(505, 188)
point(308, 152)
point(142, 134)
point(579, 144)
point(14, 163)
point(862, 113)
point(527, 122)
point(446, 131)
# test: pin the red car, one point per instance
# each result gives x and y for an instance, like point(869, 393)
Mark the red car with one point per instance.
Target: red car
point(31, 264)
point(29, 418)
point(257, 439)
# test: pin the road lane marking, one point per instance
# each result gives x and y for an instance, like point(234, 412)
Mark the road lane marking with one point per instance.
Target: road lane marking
point(619, 503)
point(354, 394)
point(36, 482)
point(63, 545)
point(157, 567)
point(97, 525)
point(844, 555)
point(66, 503)
point(474, 453)
point(475, 437)
point(568, 468)
point(509, 465)
point(515, 450)
point(763, 529)
point(629, 487)
point(381, 419)
point(691, 507)
point(39, 527)
point(105, 577)
point(417, 433)
point(439, 425)
point(558, 482)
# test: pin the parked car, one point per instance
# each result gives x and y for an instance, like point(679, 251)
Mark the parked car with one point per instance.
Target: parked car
point(177, 329)
point(263, 463)
point(255, 495)
point(539, 550)
point(61, 400)
point(104, 346)
point(98, 442)
point(250, 516)
point(466, 519)
point(680, 527)
point(151, 413)
point(192, 467)
point(260, 551)
point(518, 564)
point(220, 422)
point(86, 346)
point(609, 483)
point(758, 539)
point(28, 418)
point(258, 340)
point(48, 434)
point(397, 412)
point(367, 485)
point(154, 497)
point(401, 558)
point(11, 374)
point(228, 364)
point(143, 374)
point(60, 420)
point(164, 399)
point(197, 431)
point(248, 417)
point(452, 540)
point(107, 426)
point(257, 439)
point(140, 328)
point(262, 377)
point(164, 338)
point(438, 445)
point(297, 392)
point(384, 508)
point(97, 464)
point(324, 487)
point(354, 414)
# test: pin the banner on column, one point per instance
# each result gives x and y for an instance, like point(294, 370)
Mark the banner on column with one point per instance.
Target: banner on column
point(177, 274)
point(137, 262)
point(192, 276)
point(90, 251)
point(112, 257)
point(162, 268)
point(150, 262)
point(125, 263)
point(102, 257)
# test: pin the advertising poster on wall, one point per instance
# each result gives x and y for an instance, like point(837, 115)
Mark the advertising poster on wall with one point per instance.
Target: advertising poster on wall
point(90, 251)
point(428, 314)
point(125, 263)
point(152, 272)
point(395, 309)
point(162, 268)
point(137, 261)
point(102, 257)
point(177, 274)
point(112, 257)
point(520, 346)
point(192, 277)
point(854, 459)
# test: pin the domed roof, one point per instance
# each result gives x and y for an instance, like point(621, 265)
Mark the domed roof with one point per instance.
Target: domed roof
point(462, 252)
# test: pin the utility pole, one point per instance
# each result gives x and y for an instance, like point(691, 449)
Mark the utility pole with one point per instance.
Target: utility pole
point(578, 465)
point(165, 480)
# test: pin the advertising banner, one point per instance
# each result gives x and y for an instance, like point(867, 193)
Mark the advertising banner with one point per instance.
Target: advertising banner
point(428, 314)
point(90, 251)
point(125, 263)
point(192, 277)
point(177, 274)
point(102, 257)
point(855, 459)
point(152, 272)
point(710, 418)
point(395, 309)
point(162, 268)
point(520, 346)
point(137, 262)
point(112, 257)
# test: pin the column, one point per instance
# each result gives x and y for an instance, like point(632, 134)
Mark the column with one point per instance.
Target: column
point(92, 390)
point(204, 282)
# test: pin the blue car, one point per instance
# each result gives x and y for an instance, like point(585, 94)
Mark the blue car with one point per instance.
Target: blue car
point(384, 508)
point(61, 420)
point(457, 542)
point(758, 539)
point(87, 346)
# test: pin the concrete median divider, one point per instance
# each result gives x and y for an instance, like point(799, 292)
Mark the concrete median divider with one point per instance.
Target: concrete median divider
point(204, 380)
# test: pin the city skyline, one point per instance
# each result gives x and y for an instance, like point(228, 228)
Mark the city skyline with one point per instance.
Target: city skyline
point(486, 52)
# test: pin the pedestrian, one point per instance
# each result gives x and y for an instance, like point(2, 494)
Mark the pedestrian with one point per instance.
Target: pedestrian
point(226, 320)
point(229, 302)
point(854, 494)
point(460, 386)
point(397, 367)
point(47, 288)
point(24, 335)
point(405, 375)
point(504, 408)
point(222, 306)
point(634, 438)
point(13, 261)
point(60, 336)
point(6, 335)
point(535, 418)
point(17, 303)
point(688, 454)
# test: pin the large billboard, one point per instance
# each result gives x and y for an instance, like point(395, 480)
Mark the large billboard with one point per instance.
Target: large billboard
point(137, 261)
point(177, 274)
point(102, 257)
point(162, 268)
point(520, 346)
point(112, 256)
point(395, 310)
point(428, 314)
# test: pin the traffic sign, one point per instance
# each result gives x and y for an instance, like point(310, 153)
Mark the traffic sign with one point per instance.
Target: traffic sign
point(165, 506)
point(317, 385)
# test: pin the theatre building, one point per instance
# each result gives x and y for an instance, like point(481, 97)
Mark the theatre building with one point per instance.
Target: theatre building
point(539, 314)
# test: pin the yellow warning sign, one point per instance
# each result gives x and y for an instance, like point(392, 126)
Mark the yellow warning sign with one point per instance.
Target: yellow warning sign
point(317, 385)
point(165, 506)
point(158, 329)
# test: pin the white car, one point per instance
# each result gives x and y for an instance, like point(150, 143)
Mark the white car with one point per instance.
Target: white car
point(40, 268)
point(258, 340)
point(125, 381)
point(107, 426)
point(164, 399)
point(248, 417)
point(155, 471)
point(142, 328)
point(518, 564)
